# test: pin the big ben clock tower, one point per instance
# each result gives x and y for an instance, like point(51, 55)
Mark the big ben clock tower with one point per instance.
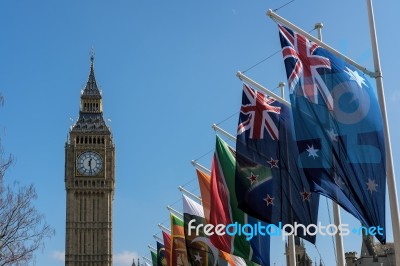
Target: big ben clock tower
point(89, 183)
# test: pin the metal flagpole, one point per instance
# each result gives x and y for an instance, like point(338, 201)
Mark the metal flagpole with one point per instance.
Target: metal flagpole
point(223, 132)
point(391, 179)
point(254, 84)
point(292, 249)
point(187, 192)
point(165, 229)
point(336, 209)
point(174, 211)
point(145, 258)
point(200, 167)
point(282, 87)
point(158, 239)
point(152, 248)
point(290, 25)
point(291, 242)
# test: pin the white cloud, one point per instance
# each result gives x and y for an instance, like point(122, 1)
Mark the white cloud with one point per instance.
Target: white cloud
point(58, 255)
point(394, 96)
point(124, 258)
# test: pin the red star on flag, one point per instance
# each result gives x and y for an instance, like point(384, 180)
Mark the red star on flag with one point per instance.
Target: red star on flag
point(253, 178)
point(273, 163)
point(305, 195)
point(269, 200)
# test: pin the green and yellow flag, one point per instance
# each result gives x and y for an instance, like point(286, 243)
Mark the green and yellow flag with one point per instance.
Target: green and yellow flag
point(178, 254)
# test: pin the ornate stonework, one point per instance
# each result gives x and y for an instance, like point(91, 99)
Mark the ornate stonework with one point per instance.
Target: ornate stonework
point(89, 183)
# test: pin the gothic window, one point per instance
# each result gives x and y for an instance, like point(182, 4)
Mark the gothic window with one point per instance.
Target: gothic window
point(77, 139)
point(86, 140)
point(90, 140)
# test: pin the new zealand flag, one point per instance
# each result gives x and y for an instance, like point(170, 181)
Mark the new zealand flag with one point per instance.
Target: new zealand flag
point(269, 184)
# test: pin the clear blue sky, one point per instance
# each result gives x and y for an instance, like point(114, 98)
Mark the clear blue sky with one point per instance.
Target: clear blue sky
point(167, 71)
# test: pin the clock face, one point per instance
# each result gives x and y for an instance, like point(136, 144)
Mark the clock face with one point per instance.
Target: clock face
point(89, 163)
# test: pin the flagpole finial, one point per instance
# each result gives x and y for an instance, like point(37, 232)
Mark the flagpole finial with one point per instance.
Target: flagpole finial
point(282, 87)
point(319, 25)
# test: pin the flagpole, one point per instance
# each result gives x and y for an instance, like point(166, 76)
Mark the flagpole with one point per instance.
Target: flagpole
point(152, 248)
point(145, 258)
point(223, 132)
point(282, 87)
point(256, 85)
point(391, 179)
point(163, 228)
point(200, 167)
point(158, 239)
point(291, 242)
point(336, 209)
point(187, 192)
point(292, 249)
point(174, 211)
point(290, 25)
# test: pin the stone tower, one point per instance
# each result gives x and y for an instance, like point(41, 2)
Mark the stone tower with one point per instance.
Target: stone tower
point(302, 258)
point(89, 183)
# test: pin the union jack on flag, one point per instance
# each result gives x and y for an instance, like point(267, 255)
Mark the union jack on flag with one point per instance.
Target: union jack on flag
point(255, 115)
point(305, 70)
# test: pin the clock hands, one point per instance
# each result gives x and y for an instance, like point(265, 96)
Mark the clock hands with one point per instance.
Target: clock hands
point(90, 163)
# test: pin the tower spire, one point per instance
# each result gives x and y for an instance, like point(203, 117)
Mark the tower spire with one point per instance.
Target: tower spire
point(91, 88)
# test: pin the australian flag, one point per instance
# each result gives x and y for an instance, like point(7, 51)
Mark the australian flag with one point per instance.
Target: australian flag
point(338, 128)
point(269, 185)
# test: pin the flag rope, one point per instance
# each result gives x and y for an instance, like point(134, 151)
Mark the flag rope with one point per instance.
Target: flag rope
point(270, 56)
point(282, 6)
